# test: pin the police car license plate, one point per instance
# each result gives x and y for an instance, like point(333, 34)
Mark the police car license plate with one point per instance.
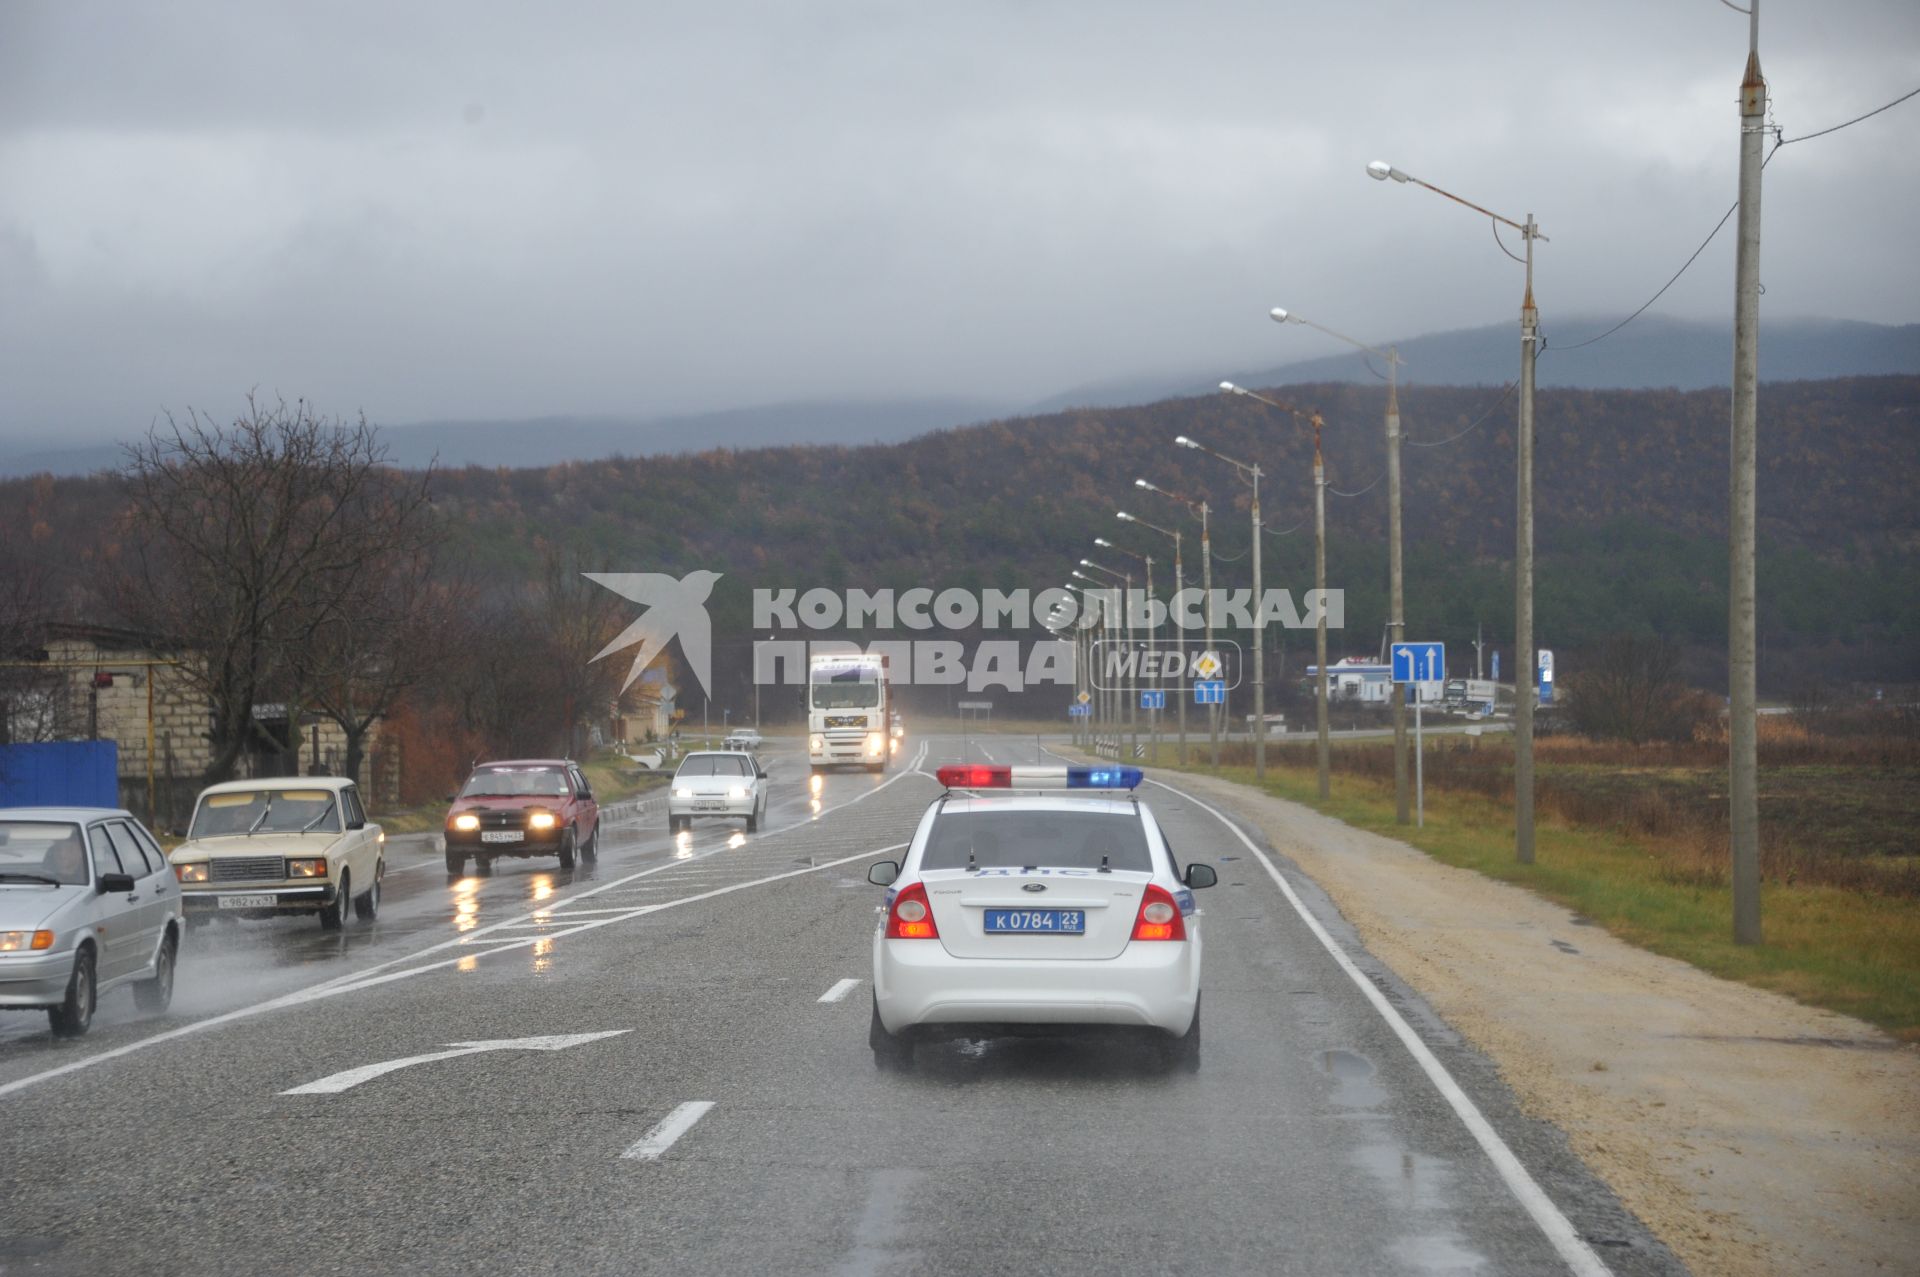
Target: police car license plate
point(1059, 922)
point(504, 835)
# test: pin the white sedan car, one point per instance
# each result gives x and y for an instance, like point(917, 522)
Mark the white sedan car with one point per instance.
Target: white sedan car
point(1037, 914)
point(717, 782)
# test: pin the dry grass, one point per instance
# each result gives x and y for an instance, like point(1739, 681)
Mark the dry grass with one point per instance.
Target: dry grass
point(1840, 812)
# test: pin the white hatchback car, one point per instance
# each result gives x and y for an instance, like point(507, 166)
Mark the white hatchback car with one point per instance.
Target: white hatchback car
point(1039, 913)
point(717, 782)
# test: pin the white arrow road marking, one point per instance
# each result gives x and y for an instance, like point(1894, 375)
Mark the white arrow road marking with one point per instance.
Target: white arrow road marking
point(334, 1083)
point(661, 1138)
point(839, 991)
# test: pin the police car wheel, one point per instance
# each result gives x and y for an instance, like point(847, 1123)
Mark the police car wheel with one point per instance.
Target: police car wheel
point(890, 1052)
point(1183, 1053)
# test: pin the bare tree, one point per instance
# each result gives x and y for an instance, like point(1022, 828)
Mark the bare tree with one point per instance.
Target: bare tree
point(1631, 690)
point(246, 540)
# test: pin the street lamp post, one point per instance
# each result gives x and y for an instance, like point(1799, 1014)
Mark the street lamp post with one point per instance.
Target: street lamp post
point(1126, 621)
point(1325, 753)
point(1201, 509)
point(1396, 602)
point(1251, 473)
point(1525, 673)
point(1146, 623)
point(1179, 583)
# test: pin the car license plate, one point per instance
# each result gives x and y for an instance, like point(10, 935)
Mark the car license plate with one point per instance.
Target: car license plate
point(709, 806)
point(248, 902)
point(504, 835)
point(1058, 922)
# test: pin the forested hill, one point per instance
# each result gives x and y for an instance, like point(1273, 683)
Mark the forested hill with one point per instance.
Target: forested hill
point(1631, 491)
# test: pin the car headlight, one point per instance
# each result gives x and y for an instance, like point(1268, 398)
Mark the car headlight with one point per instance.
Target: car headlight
point(307, 867)
point(682, 792)
point(737, 791)
point(540, 820)
point(466, 822)
point(24, 941)
point(815, 744)
point(875, 742)
point(195, 872)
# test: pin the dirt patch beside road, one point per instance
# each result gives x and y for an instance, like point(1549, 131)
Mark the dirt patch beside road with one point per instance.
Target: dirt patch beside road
point(1750, 1133)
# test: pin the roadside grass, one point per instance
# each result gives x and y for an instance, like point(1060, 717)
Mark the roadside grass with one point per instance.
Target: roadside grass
point(1852, 951)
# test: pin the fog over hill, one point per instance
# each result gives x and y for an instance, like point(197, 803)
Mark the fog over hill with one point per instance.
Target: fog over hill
point(1653, 352)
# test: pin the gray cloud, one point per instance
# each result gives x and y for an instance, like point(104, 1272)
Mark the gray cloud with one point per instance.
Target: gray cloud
point(487, 210)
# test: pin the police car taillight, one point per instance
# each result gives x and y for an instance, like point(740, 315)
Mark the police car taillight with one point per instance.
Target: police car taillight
point(911, 917)
point(1159, 917)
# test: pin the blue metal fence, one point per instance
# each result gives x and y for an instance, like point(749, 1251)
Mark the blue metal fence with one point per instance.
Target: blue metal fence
point(66, 773)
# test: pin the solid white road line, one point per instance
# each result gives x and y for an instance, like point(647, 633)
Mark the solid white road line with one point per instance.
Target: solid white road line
point(1559, 1230)
point(839, 991)
point(661, 1138)
point(367, 980)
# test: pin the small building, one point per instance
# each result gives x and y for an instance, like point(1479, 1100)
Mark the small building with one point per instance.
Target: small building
point(1367, 682)
point(104, 683)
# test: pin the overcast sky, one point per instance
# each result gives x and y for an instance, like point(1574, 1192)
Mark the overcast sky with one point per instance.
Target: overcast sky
point(485, 209)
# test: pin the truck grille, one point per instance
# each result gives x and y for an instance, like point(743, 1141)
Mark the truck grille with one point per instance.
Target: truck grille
point(249, 869)
point(846, 720)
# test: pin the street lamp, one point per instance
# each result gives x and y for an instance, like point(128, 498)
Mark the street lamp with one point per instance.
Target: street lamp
point(1179, 586)
point(1396, 611)
point(1146, 623)
point(1251, 473)
point(1525, 674)
point(1319, 575)
point(1126, 621)
point(1201, 510)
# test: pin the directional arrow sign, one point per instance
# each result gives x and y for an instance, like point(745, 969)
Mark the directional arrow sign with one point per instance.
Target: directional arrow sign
point(1209, 692)
point(334, 1083)
point(1153, 700)
point(1419, 662)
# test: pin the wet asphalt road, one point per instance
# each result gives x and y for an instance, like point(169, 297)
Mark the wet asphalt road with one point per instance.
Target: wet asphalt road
point(758, 1137)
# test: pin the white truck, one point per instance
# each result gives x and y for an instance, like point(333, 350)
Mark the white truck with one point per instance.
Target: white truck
point(1471, 693)
point(849, 711)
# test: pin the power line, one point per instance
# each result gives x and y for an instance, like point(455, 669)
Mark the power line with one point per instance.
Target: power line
point(1717, 226)
point(1362, 492)
point(1477, 423)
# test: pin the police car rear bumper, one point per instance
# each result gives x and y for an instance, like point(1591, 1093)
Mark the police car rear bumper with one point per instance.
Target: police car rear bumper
point(1152, 984)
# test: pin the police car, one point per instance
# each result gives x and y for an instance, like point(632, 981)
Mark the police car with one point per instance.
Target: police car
point(1037, 901)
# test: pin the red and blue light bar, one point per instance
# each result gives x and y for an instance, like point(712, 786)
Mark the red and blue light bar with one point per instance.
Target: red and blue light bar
point(988, 776)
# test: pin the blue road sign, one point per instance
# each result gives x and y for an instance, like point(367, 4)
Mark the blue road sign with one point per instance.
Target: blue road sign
point(1419, 662)
point(1077, 711)
point(1546, 676)
point(1211, 691)
point(1496, 667)
point(1153, 699)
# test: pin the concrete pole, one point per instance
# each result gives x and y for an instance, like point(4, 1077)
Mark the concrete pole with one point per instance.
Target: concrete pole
point(1525, 675)
point(1206, 585)
point(1259, 647)
point(1320, 627)
point(1743, 816)
point(1153, 721)
point(1396, 601)
point(1133, 674)
point(1179, 583)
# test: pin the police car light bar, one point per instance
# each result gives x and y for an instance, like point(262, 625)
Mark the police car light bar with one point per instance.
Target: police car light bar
point(983, 776)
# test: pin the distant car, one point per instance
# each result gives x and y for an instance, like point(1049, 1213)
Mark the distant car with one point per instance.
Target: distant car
point(270, 847)
point(1044, 914)
point(743, 738)
point(87, 904)
point(717, 783)
point(525, 807)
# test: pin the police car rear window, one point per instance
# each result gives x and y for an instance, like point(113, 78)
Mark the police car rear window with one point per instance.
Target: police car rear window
point(1052, 839)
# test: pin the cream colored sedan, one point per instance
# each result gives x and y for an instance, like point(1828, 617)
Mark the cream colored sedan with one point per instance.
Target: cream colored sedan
point(258, 848)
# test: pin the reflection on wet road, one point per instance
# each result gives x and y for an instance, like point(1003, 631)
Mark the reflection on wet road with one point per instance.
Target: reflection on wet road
point(228, 962)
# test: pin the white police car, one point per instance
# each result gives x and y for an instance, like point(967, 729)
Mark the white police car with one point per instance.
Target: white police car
point(1032, 903)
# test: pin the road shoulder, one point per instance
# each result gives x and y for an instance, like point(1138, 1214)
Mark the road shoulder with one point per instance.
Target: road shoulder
point(1750, 1133)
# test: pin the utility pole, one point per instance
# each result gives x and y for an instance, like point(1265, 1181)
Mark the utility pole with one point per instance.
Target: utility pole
point(1523, 657)
point(1396, 604)
point(1206, 586)
point(1743, 816)
point(1320, 630)
point(1259, 646)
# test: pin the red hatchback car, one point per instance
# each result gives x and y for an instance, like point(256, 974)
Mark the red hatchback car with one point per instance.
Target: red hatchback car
point(523, 807)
